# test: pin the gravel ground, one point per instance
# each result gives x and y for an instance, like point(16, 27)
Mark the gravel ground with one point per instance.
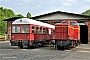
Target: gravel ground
point(8, 52)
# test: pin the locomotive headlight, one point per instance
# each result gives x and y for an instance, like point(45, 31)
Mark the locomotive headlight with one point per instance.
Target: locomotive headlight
point(12, 36)
point(20, 41)
point(61, 41)
point(27, 37)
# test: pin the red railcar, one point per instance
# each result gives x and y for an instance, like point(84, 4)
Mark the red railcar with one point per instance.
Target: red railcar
point(28, 32)
point(67, 34)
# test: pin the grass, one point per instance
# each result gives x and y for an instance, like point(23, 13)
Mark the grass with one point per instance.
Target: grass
point(1, 36)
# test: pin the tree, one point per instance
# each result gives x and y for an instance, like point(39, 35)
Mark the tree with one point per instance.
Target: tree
point(28, 15)
point(6, 13)
point(19, 15)
point(2, 27)
point(86, 13)
point(1, 8)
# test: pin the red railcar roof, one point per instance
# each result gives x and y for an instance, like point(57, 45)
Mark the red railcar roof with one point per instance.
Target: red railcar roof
point(31, 21)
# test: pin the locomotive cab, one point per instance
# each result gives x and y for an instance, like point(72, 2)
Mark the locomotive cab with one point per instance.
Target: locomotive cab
point(76, 29)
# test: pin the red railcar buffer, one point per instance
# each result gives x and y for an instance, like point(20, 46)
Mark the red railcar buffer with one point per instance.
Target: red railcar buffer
point(28, 32)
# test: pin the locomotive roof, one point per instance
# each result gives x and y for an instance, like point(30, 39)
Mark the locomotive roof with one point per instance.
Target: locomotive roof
point(31, 21)
point(81, 23)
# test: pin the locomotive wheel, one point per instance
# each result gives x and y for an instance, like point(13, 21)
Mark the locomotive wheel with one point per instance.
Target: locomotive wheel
point(22, 45)
point(28, 46)
point(79, 42)
point(69, 47)
point(37, 45)
point(72, 44)
point(56, 47)
point(76, 43)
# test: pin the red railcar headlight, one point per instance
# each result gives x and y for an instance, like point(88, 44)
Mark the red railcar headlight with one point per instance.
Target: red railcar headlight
point(12, 36)
point(27, 36)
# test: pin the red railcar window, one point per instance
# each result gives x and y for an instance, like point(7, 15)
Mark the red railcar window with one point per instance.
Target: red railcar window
point(52, 31)
point(33, 29)
point(41, 30)
point(15, 29)
point(46, 30)
point(37, 30)
point(64, 22)
point(25, 29)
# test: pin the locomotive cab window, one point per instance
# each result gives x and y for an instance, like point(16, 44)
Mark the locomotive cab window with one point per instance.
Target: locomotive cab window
point(64, 22)
point(73, 24)
point(16, 29)
point(25, 29)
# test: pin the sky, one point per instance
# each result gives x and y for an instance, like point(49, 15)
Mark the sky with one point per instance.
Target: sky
point(40, 7)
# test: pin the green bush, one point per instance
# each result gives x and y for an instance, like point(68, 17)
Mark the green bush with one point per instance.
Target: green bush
point(2, 36)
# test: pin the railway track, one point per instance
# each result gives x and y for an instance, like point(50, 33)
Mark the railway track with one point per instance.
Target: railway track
point(46, 54)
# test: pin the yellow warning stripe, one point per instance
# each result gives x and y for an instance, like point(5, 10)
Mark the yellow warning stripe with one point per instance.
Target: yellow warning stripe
point(70, 26)
point(67, 26)
point(77, 28)
point(60, 26)
point(64, 26)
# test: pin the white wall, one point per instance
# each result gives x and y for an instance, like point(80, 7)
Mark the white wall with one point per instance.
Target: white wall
point(58, 16)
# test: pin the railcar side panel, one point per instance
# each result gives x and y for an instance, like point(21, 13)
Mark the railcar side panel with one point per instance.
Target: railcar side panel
point(20, 36)
point(32, 37)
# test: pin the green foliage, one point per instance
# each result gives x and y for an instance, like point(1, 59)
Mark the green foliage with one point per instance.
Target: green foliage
point(28, 15)
point(86, 13)
point(5, 14)
point(2, 36)
point(19, 15)
point(3, 27)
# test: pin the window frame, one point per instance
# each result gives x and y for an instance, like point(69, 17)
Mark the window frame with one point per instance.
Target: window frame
point(44, 30)
point(73, 24)
point(41, 30)
point(37, 29)
point(15, 29)
point(33, 29)
point(64, 22)
point(25, 30)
